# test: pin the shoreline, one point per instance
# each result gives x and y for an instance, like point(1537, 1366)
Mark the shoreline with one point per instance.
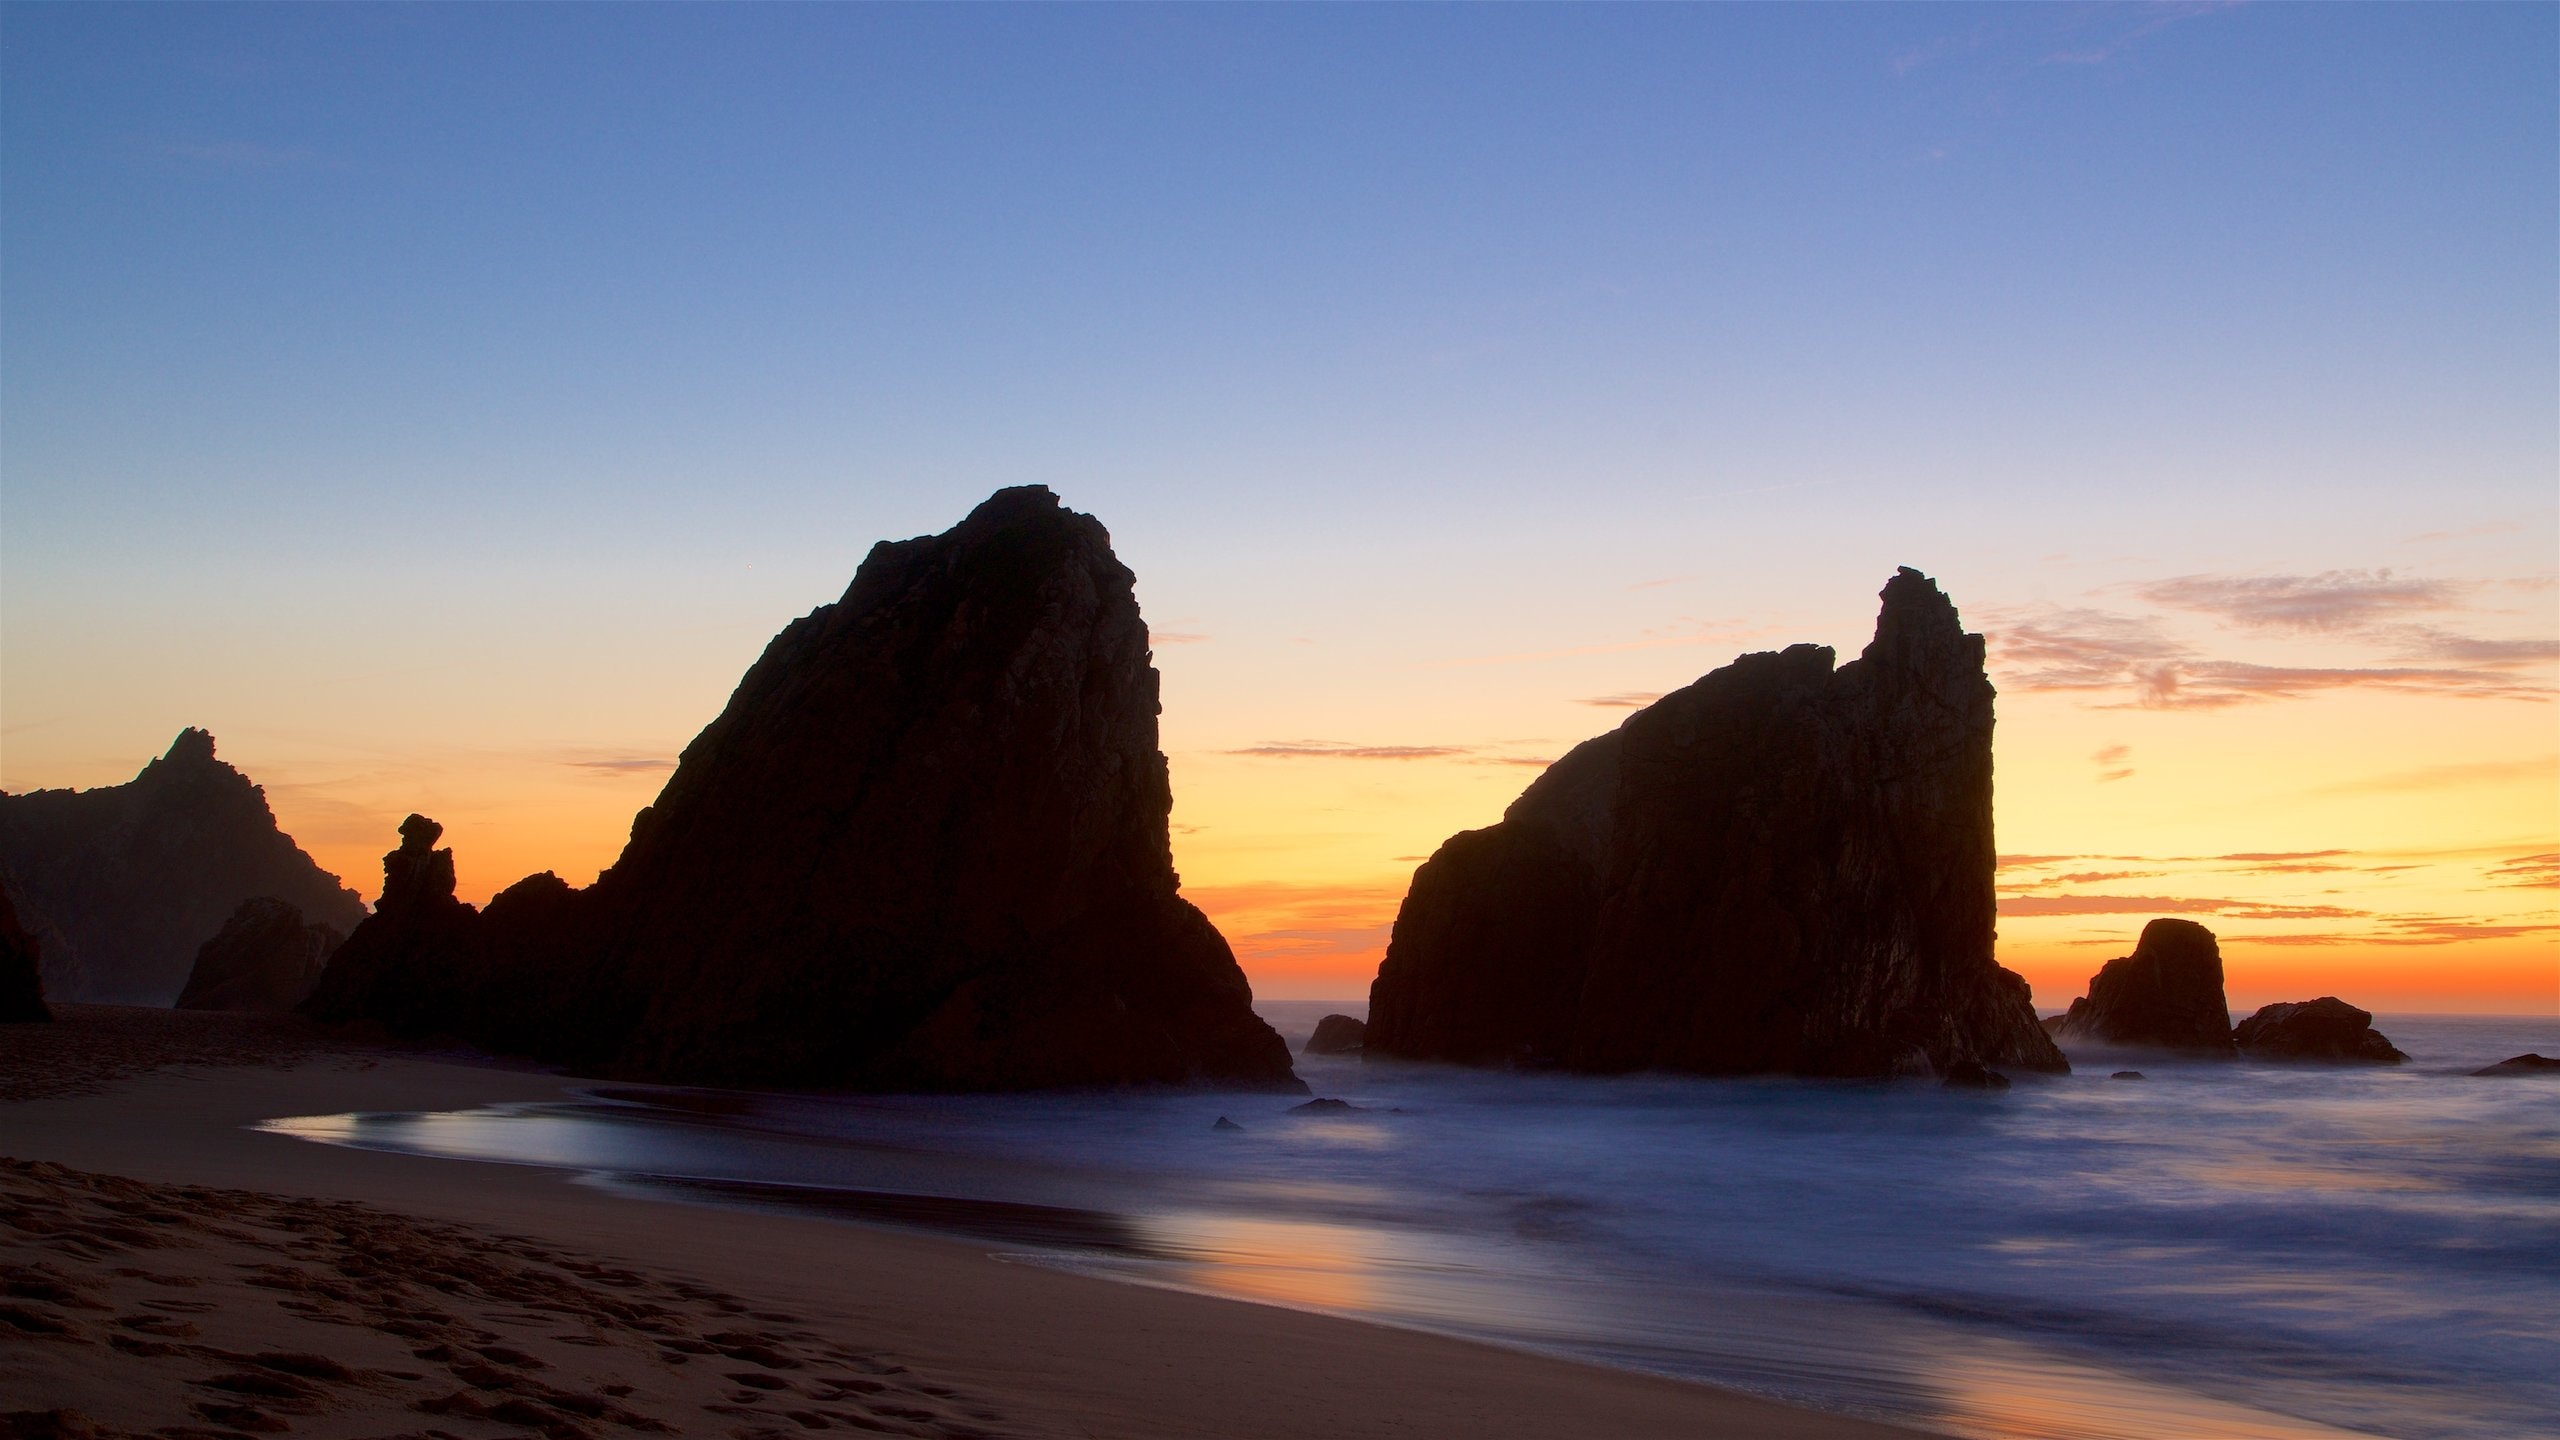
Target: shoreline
point(998, 1348)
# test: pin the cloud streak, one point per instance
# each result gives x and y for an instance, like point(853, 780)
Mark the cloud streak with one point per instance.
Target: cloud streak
point(1345, 750)
point(2130, 662)
point(2333, 600)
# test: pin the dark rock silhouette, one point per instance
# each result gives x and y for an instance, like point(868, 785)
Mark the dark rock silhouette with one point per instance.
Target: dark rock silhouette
point(21, 970)
point(1785, 866)
point(1326, 1106)
point(1226, 1124)
point(130, 879)
point(925, 846)
point(413, 966)
point(1974, 1075)
point(263, 959)
point(2126, 1075)
point(2166, 994)
point(2529, 1063)
point(2324, 1029)
point(1336, 1035)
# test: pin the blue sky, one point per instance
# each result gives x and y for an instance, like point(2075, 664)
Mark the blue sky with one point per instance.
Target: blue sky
point(375, 378)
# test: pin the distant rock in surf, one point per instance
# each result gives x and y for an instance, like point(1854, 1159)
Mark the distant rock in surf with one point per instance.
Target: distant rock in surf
point(2167, 994)
point(1785, 866)
point(924, 847)
point(1226, 1124)
point(2326, 1029)
point(1336, 1035)
point(265, 959)
point(21, 970)
point(2127, 1075)
point(129, 879)
point(2528, 1063)
point(1324, 1107)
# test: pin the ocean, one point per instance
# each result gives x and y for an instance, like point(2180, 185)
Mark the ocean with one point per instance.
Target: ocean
point(2232, 1250)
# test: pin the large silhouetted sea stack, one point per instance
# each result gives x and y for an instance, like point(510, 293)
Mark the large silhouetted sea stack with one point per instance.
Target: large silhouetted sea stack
point(2167, 994)
point(130, 879)
point(264, 959)
point(1782, 867)
point(21, 985)
point(923, 847)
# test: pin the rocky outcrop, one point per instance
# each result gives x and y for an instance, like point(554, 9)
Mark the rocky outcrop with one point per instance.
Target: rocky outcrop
point(411, 967)
point(21, 985)
point(925, 846)
point(2167, 994)
point(2327, 1029)
point(2529, 1063)
point(1785, 866)
point(1336, 1035)
point(130, 879)
point(264, 959)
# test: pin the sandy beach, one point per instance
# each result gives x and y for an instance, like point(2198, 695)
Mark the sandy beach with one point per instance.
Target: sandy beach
point(170, 1271)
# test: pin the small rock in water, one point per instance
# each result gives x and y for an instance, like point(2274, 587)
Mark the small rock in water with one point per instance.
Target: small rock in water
point(2528, 1063)
point(1974, 1075)
point(1337, 1035)
point(1323, 1107)
point(2126, 1075)
point(1226, 1124)
point(2326, 1029)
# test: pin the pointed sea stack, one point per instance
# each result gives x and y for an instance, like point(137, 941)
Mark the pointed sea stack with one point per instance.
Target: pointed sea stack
point(924, 847)
point(408, 966)
point(130, 879)
point(2167, 994)
point(1782, 867)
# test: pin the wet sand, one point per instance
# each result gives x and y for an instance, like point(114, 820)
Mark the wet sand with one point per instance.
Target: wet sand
point(169, 1271)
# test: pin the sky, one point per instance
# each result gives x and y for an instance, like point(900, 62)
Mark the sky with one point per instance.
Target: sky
point(444, 404)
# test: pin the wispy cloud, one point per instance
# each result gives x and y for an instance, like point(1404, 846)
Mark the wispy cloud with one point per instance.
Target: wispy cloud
point(1178, 637)
point(1623, 700)
point(2110, 761)
point(2332, 600)
point(2537, 872)
point(1345, 750)
point(2024, 905)
point(2147, 20)
point(2544, 768)
point(623, 764)
point(2135, 660)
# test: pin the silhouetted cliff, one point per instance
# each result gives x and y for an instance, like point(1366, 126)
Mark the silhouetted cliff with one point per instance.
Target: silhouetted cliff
point(132, 878)
point(1782, 867)
point(265, 959)
point(21, 988)
point(924, 846)
point(2167, 993)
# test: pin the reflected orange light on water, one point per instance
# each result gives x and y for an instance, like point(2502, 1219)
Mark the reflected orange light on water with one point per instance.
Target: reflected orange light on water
point(1281, 1262)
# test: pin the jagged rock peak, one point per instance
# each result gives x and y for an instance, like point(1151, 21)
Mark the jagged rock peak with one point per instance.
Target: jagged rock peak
point(193, 747)
point(416, 872)
point(124, 882)
point(1786, 865)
